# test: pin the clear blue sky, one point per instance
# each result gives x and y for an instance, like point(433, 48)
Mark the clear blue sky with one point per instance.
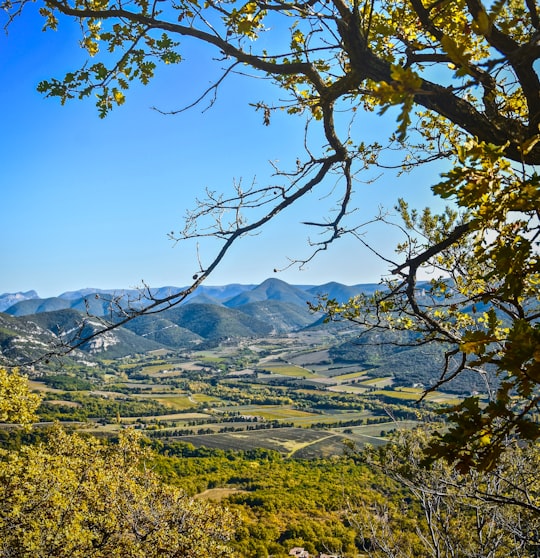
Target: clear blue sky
point(89, 202)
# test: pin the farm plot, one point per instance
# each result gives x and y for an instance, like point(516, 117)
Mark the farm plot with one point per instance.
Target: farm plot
point(333, 444)
point(330, 418)
point(178, 402)
point(445, 398)
point(290, 370)
point(347, 376)
point(414, 394)
point(180, 418)
point(36, 385)
point(375, 434)
point(203, 398)
point(216, 355)
point(142, 386)
point(170, 369)
point(377, 382)
point(62, 402)
point(287, 441)
point(433, 396)
point(319, 381)
point(397, 394)
point(269, 412)
point(309, 357)
point(348, 388)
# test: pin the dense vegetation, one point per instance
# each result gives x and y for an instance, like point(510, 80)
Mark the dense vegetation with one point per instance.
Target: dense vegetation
point(376, 503)
point(76, 496)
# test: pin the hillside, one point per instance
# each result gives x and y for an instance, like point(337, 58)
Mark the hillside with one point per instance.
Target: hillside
point(68, 324)
point(211, 321)
point(163, 331)
point(21, 340)
point(281, 316)
point(37, 305)
point(271, 289)
point(394, 354)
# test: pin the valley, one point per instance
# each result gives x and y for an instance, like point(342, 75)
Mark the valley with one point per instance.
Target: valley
point(280, 393)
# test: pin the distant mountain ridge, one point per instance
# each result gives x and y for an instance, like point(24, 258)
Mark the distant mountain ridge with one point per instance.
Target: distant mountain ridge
point(32, 325)
point(98, 301)
point(209, 318)
point(271, 289)
point(9, 299)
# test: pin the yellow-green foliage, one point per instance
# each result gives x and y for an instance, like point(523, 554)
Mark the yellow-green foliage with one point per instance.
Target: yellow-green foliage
point(17, 403)
point(78, 497)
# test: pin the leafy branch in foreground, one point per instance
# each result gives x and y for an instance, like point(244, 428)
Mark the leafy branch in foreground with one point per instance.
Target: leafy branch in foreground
point(483, 302)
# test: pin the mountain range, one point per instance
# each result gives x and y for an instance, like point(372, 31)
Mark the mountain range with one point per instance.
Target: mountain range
point(98, 301)
point(29, 325)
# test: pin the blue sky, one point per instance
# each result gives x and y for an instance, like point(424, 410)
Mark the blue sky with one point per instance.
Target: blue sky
point(89, 202)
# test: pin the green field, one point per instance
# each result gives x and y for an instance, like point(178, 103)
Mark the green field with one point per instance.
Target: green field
point(279, 412)
point(377, 382)
point(291, 370)
point(350, 376)
point(203, 398)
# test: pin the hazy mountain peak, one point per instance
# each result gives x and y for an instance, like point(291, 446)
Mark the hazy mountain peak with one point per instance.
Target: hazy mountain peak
point(9, 299)
point(81, 293)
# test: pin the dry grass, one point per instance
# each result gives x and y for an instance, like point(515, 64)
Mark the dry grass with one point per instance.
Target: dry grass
point(218, 494)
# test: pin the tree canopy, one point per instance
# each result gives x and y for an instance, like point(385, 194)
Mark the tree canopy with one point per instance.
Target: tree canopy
point(77, 496)
point(17, 403)
point(462, 77)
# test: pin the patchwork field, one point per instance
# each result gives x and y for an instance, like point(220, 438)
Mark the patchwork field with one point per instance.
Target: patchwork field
point(286, 395)
point(287, 441)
